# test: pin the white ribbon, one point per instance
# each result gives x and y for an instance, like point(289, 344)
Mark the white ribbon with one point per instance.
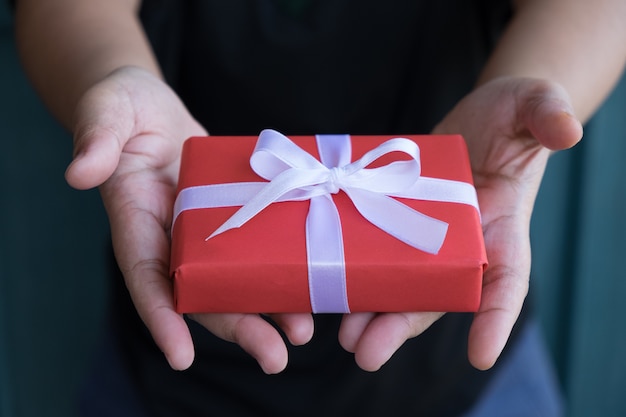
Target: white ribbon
point(295, 175)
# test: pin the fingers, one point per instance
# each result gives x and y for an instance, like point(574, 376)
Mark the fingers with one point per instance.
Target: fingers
point(547, 112)
point(502, 302)
point(168, 329)
point(298, 327)
point(352, 328)
point(258, 337)
point(95, 160)
point(505, 286)
point(253, 334)
point(374, 338)
point(142, 252)
point(104, 122)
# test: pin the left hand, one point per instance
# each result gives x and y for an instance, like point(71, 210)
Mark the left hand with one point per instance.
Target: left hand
point(510, 125)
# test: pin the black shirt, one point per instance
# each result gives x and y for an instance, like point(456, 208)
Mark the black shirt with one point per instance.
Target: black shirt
point(305, 67)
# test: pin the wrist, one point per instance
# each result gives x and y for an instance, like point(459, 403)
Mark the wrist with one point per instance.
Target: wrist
point(67, 46)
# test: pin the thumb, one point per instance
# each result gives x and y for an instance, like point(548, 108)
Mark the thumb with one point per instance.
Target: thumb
point(548, 114)
point(103, 124)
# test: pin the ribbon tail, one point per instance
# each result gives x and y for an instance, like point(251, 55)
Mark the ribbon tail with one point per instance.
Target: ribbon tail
point(439, 189)
point(215, 195)
point(282, 184)
point(399, 220)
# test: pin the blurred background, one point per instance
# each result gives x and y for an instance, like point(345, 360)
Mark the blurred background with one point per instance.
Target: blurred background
point(53, 248)
point(53, 253)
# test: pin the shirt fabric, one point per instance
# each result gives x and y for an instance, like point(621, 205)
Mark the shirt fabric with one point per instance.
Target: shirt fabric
point(306, 67)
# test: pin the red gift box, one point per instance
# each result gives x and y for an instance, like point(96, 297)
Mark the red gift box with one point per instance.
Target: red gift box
point(262, 267)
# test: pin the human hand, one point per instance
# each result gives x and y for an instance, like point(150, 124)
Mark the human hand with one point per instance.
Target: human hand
point(129, 130)
point(510, 125)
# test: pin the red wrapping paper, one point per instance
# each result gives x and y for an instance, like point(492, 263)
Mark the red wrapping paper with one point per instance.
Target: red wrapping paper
point(261, 267)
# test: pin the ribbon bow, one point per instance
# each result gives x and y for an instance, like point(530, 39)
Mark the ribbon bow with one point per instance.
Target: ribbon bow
point(295, 175)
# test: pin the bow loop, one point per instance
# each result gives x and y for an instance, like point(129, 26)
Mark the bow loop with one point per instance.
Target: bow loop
point(390, 178)
point(275, 153)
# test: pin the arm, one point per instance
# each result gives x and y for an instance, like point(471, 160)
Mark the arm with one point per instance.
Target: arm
point(67, 46)
point(557, 58)
point(93, 67)
point(576, 43)
point(578, 47)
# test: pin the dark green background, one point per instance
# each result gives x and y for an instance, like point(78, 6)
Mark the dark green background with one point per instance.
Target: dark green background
point(53, 248)
point(52, 254)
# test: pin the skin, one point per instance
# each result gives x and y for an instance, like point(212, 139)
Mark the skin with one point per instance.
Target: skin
point(92, 66)
point(508, 124)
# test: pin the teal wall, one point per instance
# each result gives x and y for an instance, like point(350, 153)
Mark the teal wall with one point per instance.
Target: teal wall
point(579, 249)
point(52, 246)
point(53, 255)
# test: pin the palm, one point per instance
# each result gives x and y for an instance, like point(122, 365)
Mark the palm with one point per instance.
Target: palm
point(129, 132)
point(506, 125)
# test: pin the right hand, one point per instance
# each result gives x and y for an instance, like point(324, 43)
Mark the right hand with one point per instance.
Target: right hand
point(129, 130)
point(510, 125)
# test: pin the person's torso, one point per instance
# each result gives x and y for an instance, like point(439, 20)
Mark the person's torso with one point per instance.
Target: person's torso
point(304, 67)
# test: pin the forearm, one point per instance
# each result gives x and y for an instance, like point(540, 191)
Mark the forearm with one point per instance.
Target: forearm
point(66, 46)
point(580, 44)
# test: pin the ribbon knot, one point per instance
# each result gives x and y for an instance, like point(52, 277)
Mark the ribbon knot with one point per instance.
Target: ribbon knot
point(295, 175)
point(334, 183)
